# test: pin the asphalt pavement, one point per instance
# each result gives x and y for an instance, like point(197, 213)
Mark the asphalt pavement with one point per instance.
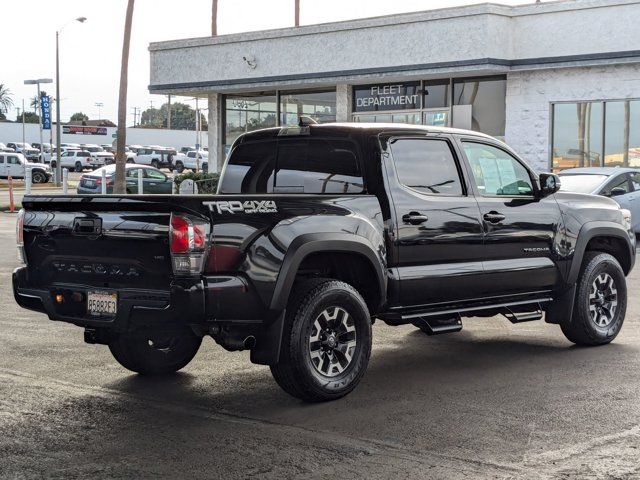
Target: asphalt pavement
point(494, 401)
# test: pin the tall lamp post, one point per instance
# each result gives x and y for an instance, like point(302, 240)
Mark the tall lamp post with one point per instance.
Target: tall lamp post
point(58, 126)
point(38, 82)
point(99, 105)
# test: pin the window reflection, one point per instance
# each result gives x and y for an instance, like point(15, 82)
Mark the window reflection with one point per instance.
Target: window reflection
point(591, 134)
point(248, 113)
point(320, 106)
point(577, 135)
point(487, 99)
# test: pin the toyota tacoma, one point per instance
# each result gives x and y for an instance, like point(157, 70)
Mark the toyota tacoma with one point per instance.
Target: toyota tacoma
point(315, 232)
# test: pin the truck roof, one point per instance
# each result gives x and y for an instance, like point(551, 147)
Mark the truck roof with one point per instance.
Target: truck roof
point(346, 128)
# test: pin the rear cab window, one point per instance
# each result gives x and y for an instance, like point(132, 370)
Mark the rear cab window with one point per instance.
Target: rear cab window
point(302, 165)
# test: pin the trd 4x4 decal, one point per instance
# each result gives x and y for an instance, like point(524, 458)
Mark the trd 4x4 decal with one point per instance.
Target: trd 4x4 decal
point(236, 206)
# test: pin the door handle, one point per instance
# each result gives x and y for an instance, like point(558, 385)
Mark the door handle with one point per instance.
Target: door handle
point(414, 218)
point(493, 217)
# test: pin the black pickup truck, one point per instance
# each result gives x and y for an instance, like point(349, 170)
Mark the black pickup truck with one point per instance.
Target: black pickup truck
point(317, 231)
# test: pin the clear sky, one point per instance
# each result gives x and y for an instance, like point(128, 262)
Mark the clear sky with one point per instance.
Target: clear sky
point(90, 52)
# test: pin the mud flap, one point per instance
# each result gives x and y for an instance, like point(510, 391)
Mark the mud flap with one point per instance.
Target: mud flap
point(267, 349)
point(561, 309)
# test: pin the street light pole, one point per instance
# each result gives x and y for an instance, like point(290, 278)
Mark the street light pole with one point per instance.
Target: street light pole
point(99, 105)
point(58, 138)
point(58, 127)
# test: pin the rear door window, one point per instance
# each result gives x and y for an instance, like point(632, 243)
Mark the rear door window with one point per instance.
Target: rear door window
point(294, 165)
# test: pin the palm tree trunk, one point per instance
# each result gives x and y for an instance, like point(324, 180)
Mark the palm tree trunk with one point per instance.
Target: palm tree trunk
point(121, 156)
point(297, 7)
point(214, 18)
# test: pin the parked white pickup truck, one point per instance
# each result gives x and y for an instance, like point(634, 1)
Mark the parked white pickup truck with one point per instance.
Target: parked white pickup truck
point(78, 160)
point(14, 165)
point(192, 160)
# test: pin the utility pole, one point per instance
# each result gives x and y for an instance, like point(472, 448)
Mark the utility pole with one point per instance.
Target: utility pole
point(99, 105)
point(23, 136)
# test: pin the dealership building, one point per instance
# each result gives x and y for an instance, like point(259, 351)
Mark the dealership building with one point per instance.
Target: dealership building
point(558, 81)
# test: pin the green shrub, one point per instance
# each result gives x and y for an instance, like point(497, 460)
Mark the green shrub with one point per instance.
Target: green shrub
point(207, 182)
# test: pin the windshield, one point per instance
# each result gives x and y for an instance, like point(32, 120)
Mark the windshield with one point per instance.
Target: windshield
point(583, 183)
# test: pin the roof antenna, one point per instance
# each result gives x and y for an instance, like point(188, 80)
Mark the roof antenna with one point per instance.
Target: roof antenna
point(306, 120)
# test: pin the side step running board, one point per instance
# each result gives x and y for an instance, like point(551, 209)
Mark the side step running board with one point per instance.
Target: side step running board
point(436, 326)
point(519, 317)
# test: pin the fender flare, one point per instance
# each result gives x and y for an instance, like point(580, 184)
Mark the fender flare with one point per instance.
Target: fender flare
point(589, 231)
point(307, 244)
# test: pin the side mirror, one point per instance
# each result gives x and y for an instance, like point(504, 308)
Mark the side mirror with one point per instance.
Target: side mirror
point(549, 184)
point(615, 192)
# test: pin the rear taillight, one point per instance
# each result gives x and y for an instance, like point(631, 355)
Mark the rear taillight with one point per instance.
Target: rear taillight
point(188, 240)
point(20, 236)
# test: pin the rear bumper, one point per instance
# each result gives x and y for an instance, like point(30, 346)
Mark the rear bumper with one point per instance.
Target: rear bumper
point(182, 304)
point(206, 301)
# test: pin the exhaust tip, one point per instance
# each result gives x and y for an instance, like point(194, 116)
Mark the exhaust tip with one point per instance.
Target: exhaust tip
point(249, 342)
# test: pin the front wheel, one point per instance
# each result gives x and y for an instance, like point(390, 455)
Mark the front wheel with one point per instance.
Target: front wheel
point(38, 177)
point(179, 167)
point(157, 354)
point(600, 303)
point(326, 341)
point(155, 164)
point(79, 167)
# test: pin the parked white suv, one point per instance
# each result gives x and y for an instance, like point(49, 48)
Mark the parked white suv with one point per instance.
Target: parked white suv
point(192, 160)
point(77, 160)
point(14, 165)
point(157, 157)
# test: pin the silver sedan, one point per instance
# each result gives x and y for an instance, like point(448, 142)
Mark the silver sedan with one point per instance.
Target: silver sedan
point(620, 184)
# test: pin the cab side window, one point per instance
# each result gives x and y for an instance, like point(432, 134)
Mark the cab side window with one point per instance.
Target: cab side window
point(620, 182)
point(426, 165)
point(496, 172)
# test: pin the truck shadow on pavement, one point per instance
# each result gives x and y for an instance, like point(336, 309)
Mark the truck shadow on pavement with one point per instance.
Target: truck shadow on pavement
point(419, 369)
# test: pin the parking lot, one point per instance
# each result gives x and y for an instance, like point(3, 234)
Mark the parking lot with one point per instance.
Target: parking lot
point(494, 401)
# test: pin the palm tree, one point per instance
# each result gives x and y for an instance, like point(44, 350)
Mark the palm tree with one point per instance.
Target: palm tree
point(121, 156)
point(214, 18)
point(6, 102)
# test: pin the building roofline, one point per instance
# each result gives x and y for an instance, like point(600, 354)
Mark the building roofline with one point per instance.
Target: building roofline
point(395, 19)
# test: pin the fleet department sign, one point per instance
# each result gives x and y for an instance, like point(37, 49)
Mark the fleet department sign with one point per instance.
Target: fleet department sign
point(386, 97)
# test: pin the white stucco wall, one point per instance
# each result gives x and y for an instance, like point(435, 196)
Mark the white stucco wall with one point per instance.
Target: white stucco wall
point(530, 93)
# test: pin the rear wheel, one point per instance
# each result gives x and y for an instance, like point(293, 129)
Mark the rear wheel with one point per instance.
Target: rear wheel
point(79, 167)
point(326, 341)
point(600, 303)
point(53, 164)
point(155, 354)
point(179, 167)
point(155, 164)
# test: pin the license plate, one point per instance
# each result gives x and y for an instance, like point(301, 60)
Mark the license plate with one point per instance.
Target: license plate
point(102, 304)
point(90, 183)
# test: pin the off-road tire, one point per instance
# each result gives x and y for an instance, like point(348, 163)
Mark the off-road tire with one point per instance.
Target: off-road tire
point(134, 352)
point(295, 372)
point(78, 167)
point(582, 329)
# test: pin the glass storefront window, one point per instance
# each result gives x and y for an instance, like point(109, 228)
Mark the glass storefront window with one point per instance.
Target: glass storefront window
point(410, 118)
point(634, 133)
point(577, 135)
point(436, 94)
point(248, 113)
point(596, 134)
point(486, 96)
point(615, 150)
point(437, 118)
point(320, 106)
